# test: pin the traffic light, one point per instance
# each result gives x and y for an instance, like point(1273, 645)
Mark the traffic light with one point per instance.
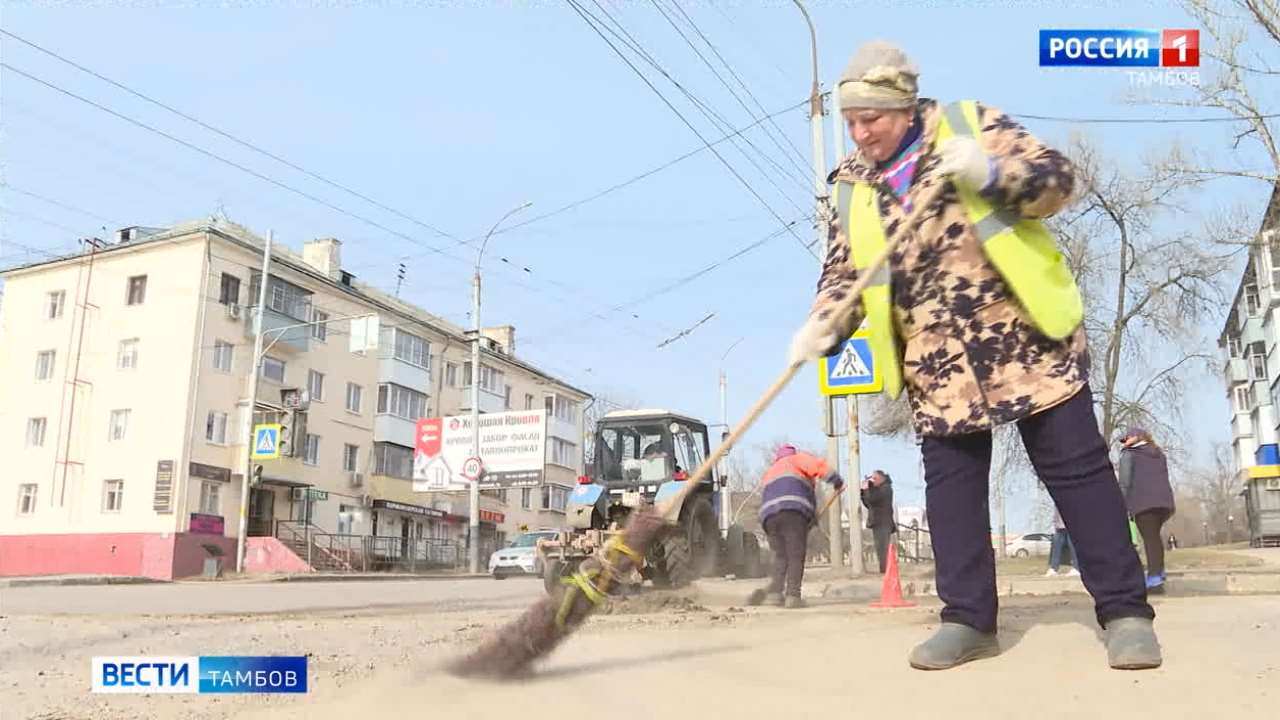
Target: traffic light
point(287, 423)
point(257, 475)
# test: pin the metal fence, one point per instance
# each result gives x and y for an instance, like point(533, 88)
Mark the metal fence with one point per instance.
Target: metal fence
point(337, 552)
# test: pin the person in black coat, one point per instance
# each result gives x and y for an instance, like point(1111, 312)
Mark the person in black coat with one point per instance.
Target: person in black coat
point(1144, 480)
point(877, 496)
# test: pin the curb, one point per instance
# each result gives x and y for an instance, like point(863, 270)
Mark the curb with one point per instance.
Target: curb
point(67, 582)
point(380, 577)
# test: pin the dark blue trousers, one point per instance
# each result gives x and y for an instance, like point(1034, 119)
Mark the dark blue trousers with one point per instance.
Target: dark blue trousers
point(1070, 457)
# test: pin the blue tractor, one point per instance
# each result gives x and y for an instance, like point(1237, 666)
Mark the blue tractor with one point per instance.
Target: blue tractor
point(642, 458)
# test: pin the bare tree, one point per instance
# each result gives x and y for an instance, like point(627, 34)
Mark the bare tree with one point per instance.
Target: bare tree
point(1238, 80)
point(1216, 489)
point(1148, 280)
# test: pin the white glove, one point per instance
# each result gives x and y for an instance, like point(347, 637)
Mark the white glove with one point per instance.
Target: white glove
point(813, 339)
point(962, 158)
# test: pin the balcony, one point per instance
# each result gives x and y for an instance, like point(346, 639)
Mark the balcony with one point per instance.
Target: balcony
point(1235, 371)
point(393, 429)
point(391, 370)
point(564, 430)
point(489, 402)
point(1241, 426)
point(297, 339)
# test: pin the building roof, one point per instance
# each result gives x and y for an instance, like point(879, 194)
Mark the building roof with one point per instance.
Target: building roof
point(139, 237)
point(649, 413)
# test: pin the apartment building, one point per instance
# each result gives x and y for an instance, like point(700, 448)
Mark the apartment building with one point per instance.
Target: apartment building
point(1250, 349)
point(126, 418)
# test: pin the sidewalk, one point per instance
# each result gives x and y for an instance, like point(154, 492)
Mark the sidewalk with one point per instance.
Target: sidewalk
point(229, 578)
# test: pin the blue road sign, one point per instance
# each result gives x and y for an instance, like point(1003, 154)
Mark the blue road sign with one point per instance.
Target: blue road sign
point(851, 371)
point(266, 442)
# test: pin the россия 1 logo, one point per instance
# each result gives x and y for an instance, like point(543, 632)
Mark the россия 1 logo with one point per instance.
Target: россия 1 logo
point(1120, 48)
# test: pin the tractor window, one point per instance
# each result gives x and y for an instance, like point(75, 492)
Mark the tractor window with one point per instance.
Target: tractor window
point(628, 443)
point(688, 449)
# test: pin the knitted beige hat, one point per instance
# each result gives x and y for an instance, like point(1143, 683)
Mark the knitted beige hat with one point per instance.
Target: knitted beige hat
point(880, 76)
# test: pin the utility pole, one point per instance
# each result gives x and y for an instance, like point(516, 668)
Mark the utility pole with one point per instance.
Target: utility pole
point(473, 538)
point(726, 503)
point(255, 361)
point(827, 407)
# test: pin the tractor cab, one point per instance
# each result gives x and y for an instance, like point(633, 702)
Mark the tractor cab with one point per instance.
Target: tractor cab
point(638, 451)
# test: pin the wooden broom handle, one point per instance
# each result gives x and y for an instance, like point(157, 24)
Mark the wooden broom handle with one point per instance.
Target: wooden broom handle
point(771, 394)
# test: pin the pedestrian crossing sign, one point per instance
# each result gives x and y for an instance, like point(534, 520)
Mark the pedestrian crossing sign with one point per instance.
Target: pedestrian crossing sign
point(852, 370)
point(266, 442)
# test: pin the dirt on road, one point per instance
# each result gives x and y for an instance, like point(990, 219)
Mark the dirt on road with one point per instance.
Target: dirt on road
point(684, 655)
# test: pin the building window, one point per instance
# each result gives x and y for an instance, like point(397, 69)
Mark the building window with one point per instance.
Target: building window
point(1242, 399)
point(1252, 303)
point(393, 460)
point(528, 401)
point(561, 408)
point(350, 458)
point(526, 498)
point(315, 385)
point(55, 301)
point(215, 428)
point(1234, 347)
point(411, 349)
point(35, 431)
point(283, 297)
point(119, 425)
point(491, 380)
point(506, 397)
point(273, 369)
point(112, 495)
point(127, 355)
point(1258, 366)
point(401, 401)
point(45, 360)
point(451, 374)
point(229, 294)
point(320, 327)
point(355, 398)
point(27, 499)
point(311, 450)
point(137, 290)
point(211, 497)
point(554, 497)
point(1253, 396)
point(563, 453)
point(223, 355)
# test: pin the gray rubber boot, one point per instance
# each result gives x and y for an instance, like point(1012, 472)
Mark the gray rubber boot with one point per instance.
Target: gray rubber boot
point(795, 603)
point(774, 599)
point(953, 644)
point(1132, 644)
point(761, 596)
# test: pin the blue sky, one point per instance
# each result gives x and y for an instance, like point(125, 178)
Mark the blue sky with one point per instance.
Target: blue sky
point(454, 115)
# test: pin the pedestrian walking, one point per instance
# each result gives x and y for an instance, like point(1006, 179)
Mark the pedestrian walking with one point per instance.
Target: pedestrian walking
point(788, 508)
point(1061, 541)
point(877, 497)
point(979, 319)
point(1144, 480)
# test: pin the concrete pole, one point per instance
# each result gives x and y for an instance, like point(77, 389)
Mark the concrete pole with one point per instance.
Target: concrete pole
point(852, 484)
point(726, 504)
point(834, 536)
point(473, 535)
point(255, 361)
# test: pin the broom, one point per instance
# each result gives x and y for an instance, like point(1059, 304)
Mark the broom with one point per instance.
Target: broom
point(511, 650)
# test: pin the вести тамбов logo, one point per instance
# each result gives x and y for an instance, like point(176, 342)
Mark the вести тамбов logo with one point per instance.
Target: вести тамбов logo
point(1152, 57)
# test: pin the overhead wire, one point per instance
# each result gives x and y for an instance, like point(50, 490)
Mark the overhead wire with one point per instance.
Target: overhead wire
point(585, 15)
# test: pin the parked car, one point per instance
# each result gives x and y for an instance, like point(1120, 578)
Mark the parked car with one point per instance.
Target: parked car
point(520, 556)
point(1030, 544)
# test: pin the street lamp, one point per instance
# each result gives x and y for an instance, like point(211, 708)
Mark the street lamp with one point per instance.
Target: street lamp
point(474, 554)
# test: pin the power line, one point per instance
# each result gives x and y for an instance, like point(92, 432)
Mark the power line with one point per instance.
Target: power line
point(805, 166)
point(265, 178)
point(231, 137)
point(584, 15)
point(58, 203)
point(715, 118)
point(1148, 121)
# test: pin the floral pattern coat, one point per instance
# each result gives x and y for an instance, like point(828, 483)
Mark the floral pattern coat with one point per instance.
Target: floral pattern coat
point(972, 360)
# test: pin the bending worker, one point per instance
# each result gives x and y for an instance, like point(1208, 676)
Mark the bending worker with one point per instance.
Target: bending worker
point(979, 320)
point(788, 508)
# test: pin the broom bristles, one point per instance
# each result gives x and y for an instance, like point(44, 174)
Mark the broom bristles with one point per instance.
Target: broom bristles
point(514, 647)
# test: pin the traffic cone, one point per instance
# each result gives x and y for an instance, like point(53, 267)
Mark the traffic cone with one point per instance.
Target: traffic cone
point(891, 592)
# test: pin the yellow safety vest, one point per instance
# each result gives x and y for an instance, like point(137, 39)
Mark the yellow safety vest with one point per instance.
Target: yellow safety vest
point(1021, 249)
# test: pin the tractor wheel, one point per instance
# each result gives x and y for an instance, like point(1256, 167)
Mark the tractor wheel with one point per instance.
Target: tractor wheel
point(751, 565)
point(690, 550)
point(555, 569)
